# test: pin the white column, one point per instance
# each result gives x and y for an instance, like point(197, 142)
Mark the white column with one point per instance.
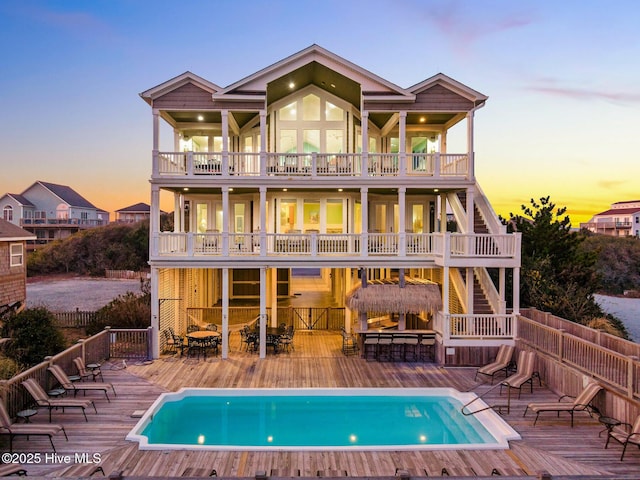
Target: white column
point(225, 221)
point(402, 127)
point(155, 313)
point(263, 312)
point(471, 209)
point(263, 143)
point(263, 221)
point(501, 290)
point(470, 285)
point(402, 221)
point(156, 142)
point(516, 291)
point(470, 146)
point(365, 144)
point(364, 236)
point(225, 142)
point(443, 212)
point(348, 284)
point(274, 296)
point(225, 313)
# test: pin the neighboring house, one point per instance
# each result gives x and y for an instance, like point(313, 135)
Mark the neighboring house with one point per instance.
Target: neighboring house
point(315, 162)
point(51, 211)
point(621, 220)
point(133, 213)
point(13, 267)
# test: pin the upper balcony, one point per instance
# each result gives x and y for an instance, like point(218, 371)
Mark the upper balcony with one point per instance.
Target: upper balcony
point(444, 249)
point(314, 165)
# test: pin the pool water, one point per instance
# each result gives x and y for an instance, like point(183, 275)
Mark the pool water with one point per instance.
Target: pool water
point(266, 419)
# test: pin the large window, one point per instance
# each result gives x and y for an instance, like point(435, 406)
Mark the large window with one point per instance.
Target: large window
point(311, 123)
point(17, 255)
point(7, 213)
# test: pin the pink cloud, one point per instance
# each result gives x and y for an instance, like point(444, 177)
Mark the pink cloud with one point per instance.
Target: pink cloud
point(586, 94)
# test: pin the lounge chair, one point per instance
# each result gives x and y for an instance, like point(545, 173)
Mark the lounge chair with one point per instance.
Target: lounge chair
point(42, 399)
point(581, 403)
point(7, 427)
point(7, 469)
point(69, 386)
point(86, 371)
point(500, 364)
point(524, 373)
point(625, 434)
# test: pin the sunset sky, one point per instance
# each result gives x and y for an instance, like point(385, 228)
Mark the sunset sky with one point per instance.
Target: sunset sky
point(563, 80)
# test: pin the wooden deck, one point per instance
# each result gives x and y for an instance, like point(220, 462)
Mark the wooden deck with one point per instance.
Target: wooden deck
point(317, 361)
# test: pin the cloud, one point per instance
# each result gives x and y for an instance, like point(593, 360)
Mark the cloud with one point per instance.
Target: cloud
point(611, 184)
point(575, 93)
point(463, 26)
point(77, 23)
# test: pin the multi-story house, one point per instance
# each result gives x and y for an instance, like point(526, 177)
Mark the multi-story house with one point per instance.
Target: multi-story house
point(133, 213)
point(13, 267)
point(315, 162)
point(621, 220)
point(51, 212)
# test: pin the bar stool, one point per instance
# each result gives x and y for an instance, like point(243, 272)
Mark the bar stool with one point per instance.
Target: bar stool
point(398, 347)
point(410, 348)
point(427, 348)
point(370, 346)
point(384, 347)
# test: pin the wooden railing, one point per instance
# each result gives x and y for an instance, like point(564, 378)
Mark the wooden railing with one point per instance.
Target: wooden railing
point(93, 350)
point(313, 244)
point(302, 318)
point(73, 319)
point(599, 337)
point(480, 326)
point(242, 164)
point(615, 369)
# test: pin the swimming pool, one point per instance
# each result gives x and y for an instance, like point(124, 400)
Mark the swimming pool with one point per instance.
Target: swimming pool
point(318, 419)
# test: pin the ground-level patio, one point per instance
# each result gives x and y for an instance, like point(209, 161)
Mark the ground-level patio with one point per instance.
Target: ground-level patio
point(317, 361)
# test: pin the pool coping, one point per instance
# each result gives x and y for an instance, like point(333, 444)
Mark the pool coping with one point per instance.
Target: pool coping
point(491, 420)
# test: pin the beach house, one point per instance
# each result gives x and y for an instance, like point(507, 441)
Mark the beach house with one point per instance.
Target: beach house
point(315, 162)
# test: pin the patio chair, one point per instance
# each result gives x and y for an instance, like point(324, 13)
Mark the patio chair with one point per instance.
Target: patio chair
point(211, 327)
point(625, 434)
point(524, 374)
point(581, 403)
point(65, 383)
point(192, 328)
point(286, 339)
point(86, 371)
point(42, 399)
point(7, 427)
point(500, 364)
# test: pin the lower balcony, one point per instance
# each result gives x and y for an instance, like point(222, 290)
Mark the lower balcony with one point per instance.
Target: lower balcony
point(447, 246)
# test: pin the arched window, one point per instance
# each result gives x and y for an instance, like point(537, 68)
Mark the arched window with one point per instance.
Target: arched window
point(7, 213)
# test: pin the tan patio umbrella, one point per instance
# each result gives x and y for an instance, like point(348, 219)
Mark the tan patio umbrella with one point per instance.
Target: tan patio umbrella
point(395, 299)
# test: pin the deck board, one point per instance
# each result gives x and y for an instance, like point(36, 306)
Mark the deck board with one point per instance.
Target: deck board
point(317, 361)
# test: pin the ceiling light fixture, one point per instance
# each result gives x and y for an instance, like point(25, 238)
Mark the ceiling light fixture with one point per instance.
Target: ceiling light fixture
point(200, 118)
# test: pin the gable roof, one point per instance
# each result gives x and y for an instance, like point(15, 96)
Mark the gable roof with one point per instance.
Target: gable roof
point(177, 82)
point(451, 84)
point(66, 194)
point(20, 199)
point(257, 82)
point(138, 208)
point(619, 211)
point(10, 232)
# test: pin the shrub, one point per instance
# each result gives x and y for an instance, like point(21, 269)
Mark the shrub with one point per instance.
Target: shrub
point(8, 368)
point(34, 336)
point(126, 311)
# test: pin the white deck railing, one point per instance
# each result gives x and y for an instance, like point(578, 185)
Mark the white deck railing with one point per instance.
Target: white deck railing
point(310, 164)
point(449, 245)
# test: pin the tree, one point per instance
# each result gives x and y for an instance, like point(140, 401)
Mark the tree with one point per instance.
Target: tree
point(557, 275)
point(34, 336)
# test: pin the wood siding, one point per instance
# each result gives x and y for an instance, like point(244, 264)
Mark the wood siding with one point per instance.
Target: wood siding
point(13, 280)
point(185, 97)
point(434, 99)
